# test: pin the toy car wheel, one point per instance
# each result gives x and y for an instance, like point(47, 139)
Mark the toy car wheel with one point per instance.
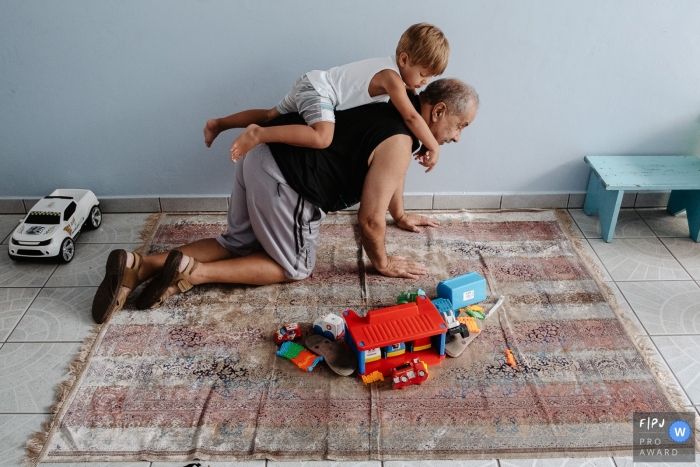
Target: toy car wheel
point(421, 373)
point(67, 251)
point(403, 379)
point(94, 220)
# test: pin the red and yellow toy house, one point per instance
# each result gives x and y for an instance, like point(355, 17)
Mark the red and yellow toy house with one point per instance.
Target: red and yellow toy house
point(389, 337)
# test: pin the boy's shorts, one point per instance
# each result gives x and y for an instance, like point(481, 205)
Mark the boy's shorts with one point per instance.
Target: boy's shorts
point(265, 213)
point(305, 100)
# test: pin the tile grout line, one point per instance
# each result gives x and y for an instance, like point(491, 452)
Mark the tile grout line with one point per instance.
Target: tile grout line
point(599, 259)
point(677, 260)
point(665, 246)
point(44, 342)
point(674, 335)
point(656, 280)
point(632, 308)
point(23, 315)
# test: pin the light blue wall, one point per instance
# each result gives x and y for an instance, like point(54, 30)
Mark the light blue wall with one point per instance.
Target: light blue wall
point(113, 95)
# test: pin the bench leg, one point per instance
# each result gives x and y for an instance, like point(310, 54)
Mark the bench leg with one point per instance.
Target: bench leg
point(590, 203)
point(688, 201)
point(605, 202)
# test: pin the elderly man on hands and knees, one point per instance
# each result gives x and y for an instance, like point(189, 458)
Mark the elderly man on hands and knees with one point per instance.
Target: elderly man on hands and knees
point(282, 193)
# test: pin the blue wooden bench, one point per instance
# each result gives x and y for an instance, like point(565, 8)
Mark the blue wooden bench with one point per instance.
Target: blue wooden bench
point(611, 176)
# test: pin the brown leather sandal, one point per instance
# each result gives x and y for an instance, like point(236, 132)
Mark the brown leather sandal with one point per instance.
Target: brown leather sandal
point(111, 295)
point(157, 291)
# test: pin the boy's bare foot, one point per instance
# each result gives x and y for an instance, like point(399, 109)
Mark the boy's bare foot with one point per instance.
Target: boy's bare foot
point(211, 131)
point(245, 142)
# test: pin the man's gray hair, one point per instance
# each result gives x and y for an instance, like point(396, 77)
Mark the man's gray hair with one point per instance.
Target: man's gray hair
point(457, 95)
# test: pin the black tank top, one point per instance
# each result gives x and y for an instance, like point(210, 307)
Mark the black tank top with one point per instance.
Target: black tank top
point(332, 178)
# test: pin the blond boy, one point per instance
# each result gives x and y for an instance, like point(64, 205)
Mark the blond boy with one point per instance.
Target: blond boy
point(422, 53)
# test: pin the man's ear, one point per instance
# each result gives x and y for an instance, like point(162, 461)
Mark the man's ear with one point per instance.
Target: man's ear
point(439, 111)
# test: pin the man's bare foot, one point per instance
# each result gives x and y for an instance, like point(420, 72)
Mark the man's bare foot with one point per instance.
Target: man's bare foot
point(211, 131)
point(245, 142)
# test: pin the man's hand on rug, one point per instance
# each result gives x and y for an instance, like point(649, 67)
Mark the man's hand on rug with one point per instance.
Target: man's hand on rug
point(411, 222)
point(398, 266)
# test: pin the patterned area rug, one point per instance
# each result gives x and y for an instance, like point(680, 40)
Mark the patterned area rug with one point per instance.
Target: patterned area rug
point(198, 378)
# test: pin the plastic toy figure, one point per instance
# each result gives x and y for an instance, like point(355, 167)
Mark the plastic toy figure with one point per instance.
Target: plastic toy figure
point(470, 323)
point(473, 313)
point(413, 372)
point(330, 326)
point(409, 296)
point(454, 327)
point(372, 377)
point(510, 359)
point(53, 224)
point(289, 332)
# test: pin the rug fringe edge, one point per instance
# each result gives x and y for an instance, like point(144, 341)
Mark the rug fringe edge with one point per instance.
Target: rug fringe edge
point(148, 231)
point(36, 444)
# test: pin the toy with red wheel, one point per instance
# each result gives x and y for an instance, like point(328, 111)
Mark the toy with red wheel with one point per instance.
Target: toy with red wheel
point(413, 372)
point(289, 332)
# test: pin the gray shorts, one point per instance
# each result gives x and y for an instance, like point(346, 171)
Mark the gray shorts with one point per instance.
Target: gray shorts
point(305, 100)
point(266, 213)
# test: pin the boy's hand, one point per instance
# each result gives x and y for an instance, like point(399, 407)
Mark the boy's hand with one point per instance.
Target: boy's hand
point(427, 158)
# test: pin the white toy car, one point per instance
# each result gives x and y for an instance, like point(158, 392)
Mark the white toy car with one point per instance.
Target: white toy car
point(330, 326)
point(53, 224)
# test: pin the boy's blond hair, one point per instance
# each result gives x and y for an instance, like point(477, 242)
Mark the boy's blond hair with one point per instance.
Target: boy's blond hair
point(425, 46)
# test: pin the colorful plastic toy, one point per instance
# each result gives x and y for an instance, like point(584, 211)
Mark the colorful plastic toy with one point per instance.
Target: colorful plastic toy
point(463, 290)
point(510, 359)
point(470, 323)
point(500, 301)
point(299, 355)
point(53, 224)
point(454, 327)
point(413, 372)
point(442, 304)
point(330, 326)
point(395, 350)
point(373, 355)
point(289, 332)
point(473, 313)
point(418, 325)
point(372, 377)
point(409, 296)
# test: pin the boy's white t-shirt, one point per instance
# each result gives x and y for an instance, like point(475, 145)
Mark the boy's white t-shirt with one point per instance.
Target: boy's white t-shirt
point(347, 86)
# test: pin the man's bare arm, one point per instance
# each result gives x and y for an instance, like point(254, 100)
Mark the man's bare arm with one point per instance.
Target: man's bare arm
point(396, 203)
point(386, 173)
point(404, 220)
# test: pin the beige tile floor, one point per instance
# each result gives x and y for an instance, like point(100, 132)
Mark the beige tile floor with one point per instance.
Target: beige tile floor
point(652, 267)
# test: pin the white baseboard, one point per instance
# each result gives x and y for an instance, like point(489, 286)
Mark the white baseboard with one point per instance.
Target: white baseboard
point(412, 201)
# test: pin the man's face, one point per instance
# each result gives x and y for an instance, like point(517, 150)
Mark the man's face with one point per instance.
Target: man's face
point(448, 128)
